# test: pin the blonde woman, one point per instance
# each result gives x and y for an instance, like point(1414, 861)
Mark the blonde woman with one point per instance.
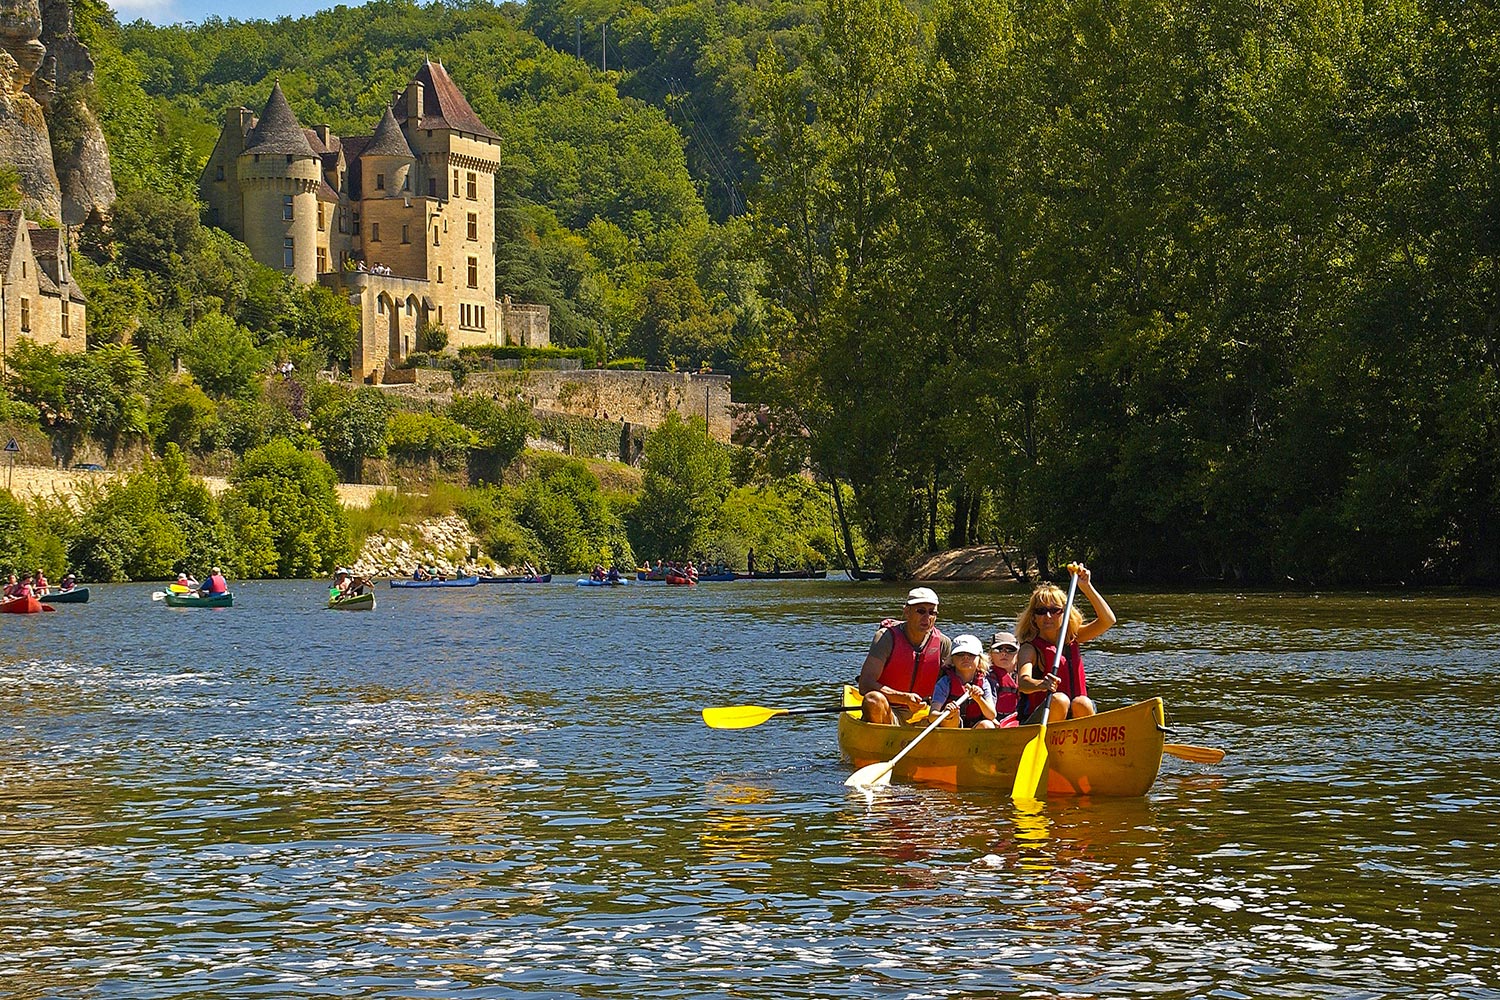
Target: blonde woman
point(1039, 629)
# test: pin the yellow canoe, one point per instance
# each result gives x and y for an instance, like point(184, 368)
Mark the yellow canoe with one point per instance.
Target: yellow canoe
point(1113, 753)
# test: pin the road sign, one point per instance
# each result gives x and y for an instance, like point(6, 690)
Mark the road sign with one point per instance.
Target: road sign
point(12, 446)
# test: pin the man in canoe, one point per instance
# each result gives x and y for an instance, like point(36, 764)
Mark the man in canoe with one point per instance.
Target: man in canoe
point(215, 585)
point(904, 660)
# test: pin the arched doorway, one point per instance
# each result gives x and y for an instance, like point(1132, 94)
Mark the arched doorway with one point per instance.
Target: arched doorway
point(393, 332)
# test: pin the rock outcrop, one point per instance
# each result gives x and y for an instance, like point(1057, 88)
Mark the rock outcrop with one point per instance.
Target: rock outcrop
point(47, 130)
point(442, 543)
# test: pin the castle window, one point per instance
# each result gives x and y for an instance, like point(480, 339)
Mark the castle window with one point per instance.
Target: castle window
point(257, 157)
point(322, 260)
point(432, 187)
point(374, 232)
point(322, 218)
point(23, 269)
point(288, 253)
point(434, 235)
point(473, 226)
point(380, 305)
point(219, 172)
point(25, 315)
point(473, 272)
point(440, 315)
point(286, 208)
point(65, 331)
point(406, 234)
point(289, 157)
point(440, 274)
point(455, 183)
point(356, 223)
point(406, 183)
point(473, 186)
point(380, 182)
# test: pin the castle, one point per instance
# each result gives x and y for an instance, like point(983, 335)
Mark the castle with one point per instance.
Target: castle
point(401, 221)
point(39, 301)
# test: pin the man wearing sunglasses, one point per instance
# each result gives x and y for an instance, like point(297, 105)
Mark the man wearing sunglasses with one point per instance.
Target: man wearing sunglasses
point(904, 661)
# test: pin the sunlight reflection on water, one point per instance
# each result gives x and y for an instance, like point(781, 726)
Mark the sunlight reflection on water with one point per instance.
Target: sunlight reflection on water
point(479, 794)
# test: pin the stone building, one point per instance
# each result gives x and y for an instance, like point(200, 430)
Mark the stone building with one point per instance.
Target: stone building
point(401, 220)
point(39, 300)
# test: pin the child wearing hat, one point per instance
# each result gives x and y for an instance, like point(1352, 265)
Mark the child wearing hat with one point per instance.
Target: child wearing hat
point(962, 673)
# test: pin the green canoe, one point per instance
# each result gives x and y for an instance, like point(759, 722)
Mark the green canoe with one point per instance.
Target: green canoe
point(360, 602)
point(199, 601)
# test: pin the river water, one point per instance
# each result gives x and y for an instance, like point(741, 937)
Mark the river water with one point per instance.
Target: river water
point(507, 791)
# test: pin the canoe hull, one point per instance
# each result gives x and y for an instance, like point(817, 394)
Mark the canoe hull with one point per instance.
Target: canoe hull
point(78, 595)
point(603, 583)
point(544, 578)
point(199, 601)
point(787, 574)
point(23, 606)
point(364, 602)
point(464, 581)
point(1114, 753)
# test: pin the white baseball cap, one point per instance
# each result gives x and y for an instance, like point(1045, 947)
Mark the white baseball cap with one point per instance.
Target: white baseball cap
point(921, 595)
point(968, 644)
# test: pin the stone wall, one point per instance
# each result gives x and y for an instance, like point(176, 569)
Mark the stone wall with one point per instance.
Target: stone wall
point(633, 397)
point(32, 481)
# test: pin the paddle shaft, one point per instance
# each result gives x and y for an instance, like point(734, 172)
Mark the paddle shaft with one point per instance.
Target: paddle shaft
point(952, 707)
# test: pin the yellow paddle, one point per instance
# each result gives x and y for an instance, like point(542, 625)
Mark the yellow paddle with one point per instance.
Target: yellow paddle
point(1198, 755)
point(746, 716)
point(878, 774)
point(1032, 770)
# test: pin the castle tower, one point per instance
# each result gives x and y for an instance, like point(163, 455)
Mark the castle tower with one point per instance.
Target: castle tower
point(394, 213)
point(279, 176)
point(457, 157)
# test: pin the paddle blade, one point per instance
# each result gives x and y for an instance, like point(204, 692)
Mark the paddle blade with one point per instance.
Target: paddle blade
point(178, 588)
point(1032, 770)
point(157, 595)
point(48, 607)
point(1198, 755)
point(739, 716)
point(876, 775)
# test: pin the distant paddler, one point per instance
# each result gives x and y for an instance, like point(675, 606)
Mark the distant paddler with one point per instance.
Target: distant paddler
point(905, 660)
point(215, 585)
point(346, 584)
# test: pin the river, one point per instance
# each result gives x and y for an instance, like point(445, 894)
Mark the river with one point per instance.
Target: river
point(507, 791)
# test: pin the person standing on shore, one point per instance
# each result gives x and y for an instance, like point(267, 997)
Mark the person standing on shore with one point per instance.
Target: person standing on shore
point(904, 660)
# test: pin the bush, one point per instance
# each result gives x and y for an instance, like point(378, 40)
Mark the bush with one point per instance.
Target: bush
point(285, 513)
point(512, 352)
point(351, 426)
point(626, 364)
point(687, 478)
point(182, 414)
point(427, 435)
point(223, 357)
point(500, 429)
point(432, 338)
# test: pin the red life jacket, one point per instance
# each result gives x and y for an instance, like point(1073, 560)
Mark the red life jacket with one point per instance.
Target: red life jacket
point(910, 669)
point(1071, 679)
point(216, 584)
point(1008, 702)
point(970, 714)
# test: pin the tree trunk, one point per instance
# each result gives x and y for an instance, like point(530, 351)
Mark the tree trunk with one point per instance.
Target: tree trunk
point(855, 573)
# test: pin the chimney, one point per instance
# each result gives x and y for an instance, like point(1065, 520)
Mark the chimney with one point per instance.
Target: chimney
point(322, 131)
point(414, 102)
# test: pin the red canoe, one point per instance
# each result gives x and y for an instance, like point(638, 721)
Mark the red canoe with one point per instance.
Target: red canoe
point(23, 606)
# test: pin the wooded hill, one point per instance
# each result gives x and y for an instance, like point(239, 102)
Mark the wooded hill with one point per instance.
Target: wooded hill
point(1204, 291)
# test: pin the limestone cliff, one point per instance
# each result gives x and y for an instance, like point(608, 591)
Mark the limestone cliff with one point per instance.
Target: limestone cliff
point(47, 129)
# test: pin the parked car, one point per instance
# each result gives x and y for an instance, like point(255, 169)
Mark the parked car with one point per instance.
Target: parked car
point(88, 467)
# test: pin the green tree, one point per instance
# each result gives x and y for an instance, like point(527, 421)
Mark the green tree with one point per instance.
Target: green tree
point(687, 478)
point(352, 427)
point(223, 358)
point(285, 513)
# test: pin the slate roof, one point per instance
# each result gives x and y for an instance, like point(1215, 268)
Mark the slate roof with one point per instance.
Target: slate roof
point(388, 140)
point(278, 131)
point(327, 193)
point(10, 226)
point(444, 106)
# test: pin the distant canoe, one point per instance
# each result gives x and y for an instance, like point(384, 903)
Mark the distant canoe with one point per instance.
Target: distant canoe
point(464, 581)
point(359, 602)
point(1112, 753)
point(199, 600)
point(23, 606)
point(78, 595)
point(787, 574)
point(544, 578)
point(728, 576)
point(622, 581)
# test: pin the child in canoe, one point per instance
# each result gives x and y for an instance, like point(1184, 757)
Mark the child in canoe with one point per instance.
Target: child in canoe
point(962, 673)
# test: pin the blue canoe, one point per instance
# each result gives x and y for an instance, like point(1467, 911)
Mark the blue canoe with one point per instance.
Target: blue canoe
point(465, 581)
point(544, 578)
point(603, 583)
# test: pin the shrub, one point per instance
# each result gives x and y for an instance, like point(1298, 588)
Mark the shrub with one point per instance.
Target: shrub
point(223, 357)
point(427, 435)
point(285, 513)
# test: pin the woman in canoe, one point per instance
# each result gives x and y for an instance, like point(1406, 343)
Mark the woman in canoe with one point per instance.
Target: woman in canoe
point(1039, 629)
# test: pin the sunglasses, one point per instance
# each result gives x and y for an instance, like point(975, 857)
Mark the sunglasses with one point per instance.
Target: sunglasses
point(926, 612)
point(1047, 612)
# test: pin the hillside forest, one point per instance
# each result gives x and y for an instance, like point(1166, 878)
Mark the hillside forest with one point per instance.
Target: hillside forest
point(1203, 292)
